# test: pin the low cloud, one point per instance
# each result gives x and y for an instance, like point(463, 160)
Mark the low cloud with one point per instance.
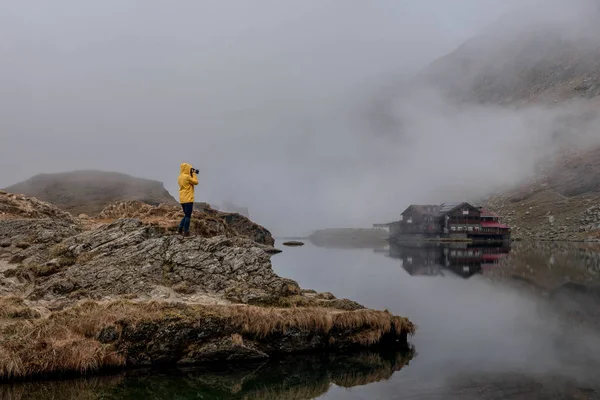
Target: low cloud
point(273, 102)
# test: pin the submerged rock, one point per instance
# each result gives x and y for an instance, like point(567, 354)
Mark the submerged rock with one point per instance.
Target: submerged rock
point(293, 243)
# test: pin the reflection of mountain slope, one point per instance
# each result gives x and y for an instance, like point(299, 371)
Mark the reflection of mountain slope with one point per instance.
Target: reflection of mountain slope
point(437, 259)
point(289, 378)
point(499, 385)
point(549, 265)
point(565, 275)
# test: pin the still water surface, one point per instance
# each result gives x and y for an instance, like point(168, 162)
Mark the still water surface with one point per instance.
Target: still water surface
point(494, 323)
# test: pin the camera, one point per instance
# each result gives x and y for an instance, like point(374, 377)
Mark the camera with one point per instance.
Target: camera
point(195, 171)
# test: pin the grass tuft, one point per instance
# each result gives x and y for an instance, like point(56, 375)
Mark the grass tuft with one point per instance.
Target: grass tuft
point(15, 308)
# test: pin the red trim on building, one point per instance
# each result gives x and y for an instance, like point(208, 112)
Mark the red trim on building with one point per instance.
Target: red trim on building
point(493, 224)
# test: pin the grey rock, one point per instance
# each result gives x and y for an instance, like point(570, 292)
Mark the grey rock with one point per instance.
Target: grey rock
point(129, 257)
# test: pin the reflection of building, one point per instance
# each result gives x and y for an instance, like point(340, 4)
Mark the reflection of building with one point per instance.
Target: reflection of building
point(433, 259)
point(447, 221)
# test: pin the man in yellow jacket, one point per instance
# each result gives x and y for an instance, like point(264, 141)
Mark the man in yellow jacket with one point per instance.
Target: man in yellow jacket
point(188, 178)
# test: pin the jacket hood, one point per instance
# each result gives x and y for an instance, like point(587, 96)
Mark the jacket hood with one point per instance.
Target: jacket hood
point(185, 168)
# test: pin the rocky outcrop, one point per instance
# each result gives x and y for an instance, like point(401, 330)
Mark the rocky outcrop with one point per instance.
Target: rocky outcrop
point(76, 297)
point(13, 206)
point(89, 192)
point(206, 221)
point(129, 257)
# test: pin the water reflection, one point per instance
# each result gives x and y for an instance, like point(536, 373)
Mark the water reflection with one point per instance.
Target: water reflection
point(298, 377)
point(439, 259)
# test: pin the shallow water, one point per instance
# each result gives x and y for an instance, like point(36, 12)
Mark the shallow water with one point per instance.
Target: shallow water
point(494, 323)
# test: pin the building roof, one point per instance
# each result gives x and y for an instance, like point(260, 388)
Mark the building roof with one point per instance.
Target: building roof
point(445, 208)
point(485, 213)
point(493, 224)
point(424, 209)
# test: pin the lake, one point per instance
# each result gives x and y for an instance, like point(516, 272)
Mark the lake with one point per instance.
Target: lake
point(494, 322)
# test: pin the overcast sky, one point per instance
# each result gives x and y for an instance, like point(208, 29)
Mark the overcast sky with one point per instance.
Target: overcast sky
point(264, 97)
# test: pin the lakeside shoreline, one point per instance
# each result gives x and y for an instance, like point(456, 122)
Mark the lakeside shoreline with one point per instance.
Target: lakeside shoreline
point(123, 290)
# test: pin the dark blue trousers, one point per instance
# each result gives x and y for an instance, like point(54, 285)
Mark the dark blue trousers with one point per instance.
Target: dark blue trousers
point(184, 225)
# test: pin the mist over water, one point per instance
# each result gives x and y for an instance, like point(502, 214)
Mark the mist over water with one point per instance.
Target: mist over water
point(285, 107)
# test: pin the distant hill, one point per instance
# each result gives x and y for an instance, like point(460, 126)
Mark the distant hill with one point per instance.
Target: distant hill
point(89, 192)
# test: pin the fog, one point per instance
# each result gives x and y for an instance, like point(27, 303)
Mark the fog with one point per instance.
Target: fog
point(276, 102)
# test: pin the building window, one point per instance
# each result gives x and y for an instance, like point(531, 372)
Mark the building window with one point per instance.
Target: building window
point(465, 212)
point(402, 218)
point(470, 229)
point(409, 220)
point(453, 228)
point(460, 228)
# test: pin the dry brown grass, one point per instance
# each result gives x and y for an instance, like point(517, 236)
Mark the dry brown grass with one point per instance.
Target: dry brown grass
point(263, 322)
point(15, 308)
point(67, 340)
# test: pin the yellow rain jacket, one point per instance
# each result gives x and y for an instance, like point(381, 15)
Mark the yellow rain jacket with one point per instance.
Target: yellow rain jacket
point(186, 184)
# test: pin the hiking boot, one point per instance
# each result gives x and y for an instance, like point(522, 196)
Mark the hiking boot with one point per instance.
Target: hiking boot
point(186, 234)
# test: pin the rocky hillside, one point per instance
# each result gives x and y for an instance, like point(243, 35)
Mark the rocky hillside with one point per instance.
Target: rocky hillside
point(563, 203)
point(89, 192)
point(80, 295)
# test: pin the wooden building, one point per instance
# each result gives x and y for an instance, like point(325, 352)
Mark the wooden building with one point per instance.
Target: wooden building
point(448, 221)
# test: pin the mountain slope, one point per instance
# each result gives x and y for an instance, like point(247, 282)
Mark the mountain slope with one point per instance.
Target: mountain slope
point(90, 192)
point(525, 58)
point(551, 65)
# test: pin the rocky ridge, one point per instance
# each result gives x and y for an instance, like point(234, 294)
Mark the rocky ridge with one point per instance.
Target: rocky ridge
point(78, 295)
